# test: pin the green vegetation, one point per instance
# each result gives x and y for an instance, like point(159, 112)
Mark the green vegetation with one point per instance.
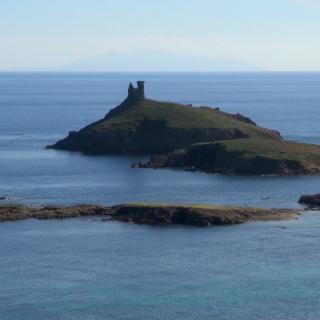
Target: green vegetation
point(244, 156)
point(178, 116)
point(148, 126)
point(277, 150)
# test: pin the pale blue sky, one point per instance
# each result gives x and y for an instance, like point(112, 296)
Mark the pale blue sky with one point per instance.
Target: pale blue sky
point(270, 34)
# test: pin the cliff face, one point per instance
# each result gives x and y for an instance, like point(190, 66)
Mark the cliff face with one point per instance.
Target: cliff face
point(243, 156)
point(140, 125)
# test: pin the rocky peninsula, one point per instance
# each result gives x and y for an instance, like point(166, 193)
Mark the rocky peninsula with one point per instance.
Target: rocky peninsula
point(242, 156)
point(150, 214)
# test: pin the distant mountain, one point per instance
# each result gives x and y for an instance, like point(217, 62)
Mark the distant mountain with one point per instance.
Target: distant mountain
point(155, 61)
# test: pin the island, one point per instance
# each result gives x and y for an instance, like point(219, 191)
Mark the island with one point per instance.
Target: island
point(150, 214)
point(193, 138)
point(144, 126)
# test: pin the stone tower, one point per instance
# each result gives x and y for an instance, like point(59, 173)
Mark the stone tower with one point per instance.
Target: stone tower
point(140, 85)
point(135, 94)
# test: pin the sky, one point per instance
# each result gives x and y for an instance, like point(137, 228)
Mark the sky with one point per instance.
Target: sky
point(271, 35)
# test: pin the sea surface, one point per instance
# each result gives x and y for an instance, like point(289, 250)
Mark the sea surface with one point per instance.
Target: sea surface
point(81, 269)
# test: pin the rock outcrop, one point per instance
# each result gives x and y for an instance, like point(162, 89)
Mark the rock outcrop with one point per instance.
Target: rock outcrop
point(242, 156)
point(312, 201)
point(195, 215)
point(20, 212)
point(201, 216)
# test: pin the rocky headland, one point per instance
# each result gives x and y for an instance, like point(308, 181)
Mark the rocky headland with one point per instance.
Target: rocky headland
point(150, 214)
point(242, 156)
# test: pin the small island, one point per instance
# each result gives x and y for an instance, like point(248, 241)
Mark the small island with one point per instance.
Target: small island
point(193, 138)
point(144, 126)
point(150, 214)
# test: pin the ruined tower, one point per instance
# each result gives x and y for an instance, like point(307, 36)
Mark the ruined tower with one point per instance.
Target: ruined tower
point(141, 89)
point(135, 94)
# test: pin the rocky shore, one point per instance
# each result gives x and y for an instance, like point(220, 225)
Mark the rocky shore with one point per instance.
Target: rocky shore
point(194, 215)
point(312, 201)
point(242, 156)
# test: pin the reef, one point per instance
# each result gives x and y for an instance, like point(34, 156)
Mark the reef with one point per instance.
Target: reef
point(149, 214)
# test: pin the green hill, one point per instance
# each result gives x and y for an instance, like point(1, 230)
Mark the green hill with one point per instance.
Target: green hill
point(243, 156)
point(140, 125)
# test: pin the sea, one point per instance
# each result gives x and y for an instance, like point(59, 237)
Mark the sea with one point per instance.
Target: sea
point(87, 269)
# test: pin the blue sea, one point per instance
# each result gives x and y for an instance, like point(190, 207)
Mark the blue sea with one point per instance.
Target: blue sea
point(87, 269)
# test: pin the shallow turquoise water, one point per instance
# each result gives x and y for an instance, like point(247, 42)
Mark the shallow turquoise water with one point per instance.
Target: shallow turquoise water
point(80, 269)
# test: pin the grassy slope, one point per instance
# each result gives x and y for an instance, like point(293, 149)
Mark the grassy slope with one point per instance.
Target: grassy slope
point(177, 116)
point(243, 156)
point(275, 149)
point(257, 156)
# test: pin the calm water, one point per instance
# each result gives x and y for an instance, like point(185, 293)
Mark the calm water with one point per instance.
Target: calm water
point(77, 269)
point(39, 109)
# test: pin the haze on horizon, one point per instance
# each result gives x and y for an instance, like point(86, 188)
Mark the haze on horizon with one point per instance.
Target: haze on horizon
point(167, 35)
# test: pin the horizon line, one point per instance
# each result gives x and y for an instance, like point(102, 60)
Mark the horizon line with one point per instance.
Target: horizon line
point(157, 71)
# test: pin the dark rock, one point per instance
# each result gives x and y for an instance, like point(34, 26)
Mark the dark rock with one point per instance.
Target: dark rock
point(312, 201)
point(72, 133)
point(244, 119)
point(201, 216)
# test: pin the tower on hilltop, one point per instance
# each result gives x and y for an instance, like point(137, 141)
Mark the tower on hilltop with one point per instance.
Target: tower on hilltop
point(135, 94)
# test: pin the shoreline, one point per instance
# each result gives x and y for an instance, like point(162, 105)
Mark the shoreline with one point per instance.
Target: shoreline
point(150, 214)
